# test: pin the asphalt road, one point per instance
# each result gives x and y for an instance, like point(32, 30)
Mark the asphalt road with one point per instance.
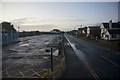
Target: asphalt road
point(28, 58)
point(101, 63)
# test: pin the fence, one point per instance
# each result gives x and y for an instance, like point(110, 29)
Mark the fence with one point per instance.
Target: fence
point(9, 37)
point(117, 42)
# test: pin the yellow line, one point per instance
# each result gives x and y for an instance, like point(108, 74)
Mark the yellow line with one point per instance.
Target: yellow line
point(23, 77)
point(46, 74)
point(31, 75)
point(21, 73)
point(35, 58)
point(25, 71)
point(91, 71)
point(7, 73)
point(36, 73)
point(94, 73)
point(13, 64)
point(18, 61)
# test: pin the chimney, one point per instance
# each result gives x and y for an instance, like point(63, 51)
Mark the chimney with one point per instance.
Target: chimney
point(110, 24)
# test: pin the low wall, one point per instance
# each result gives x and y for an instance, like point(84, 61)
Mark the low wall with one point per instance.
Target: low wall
point(117, 43)
point(60, 68)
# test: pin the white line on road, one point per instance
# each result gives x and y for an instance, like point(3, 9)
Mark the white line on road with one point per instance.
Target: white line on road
point(111, 61)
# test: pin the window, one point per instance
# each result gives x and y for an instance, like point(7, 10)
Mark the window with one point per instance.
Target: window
point(114, 36)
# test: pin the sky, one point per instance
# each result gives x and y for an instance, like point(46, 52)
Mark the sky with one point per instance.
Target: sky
point(45, 16)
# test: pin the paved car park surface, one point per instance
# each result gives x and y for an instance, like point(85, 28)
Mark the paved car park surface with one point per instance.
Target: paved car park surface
point(28, 58)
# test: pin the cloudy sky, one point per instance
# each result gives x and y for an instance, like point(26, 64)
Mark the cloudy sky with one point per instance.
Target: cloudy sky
point(44, 16)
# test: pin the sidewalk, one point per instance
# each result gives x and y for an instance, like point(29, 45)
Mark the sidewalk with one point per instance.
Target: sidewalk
point(74, 67)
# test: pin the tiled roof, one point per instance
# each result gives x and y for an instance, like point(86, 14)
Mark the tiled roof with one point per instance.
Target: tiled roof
point(114, 31)
point(93, 26)
point(114, 25)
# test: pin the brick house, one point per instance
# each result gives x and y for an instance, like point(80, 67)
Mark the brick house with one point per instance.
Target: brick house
point(93, 31)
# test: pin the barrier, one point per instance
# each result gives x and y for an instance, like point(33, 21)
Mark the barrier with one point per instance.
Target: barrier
point(9, 37)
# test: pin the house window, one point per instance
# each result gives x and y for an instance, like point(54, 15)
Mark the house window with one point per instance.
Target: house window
point(114, 36)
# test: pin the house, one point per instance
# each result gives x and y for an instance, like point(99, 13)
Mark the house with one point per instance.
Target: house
point(9, 33)
point(82, 31)
point(110, 31)
point(74, 31)
point(55, 31)
point(93, 31)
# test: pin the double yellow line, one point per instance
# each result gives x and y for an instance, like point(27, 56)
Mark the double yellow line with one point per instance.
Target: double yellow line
point(91, 70)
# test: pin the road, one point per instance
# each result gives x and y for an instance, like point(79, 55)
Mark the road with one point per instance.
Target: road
point(101, 63)
point(28, 59)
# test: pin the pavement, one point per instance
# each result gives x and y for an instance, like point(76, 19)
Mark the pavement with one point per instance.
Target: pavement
point(28, 58)
point(87, 61)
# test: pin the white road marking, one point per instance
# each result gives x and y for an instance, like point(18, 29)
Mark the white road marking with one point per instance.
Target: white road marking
point(111, 61)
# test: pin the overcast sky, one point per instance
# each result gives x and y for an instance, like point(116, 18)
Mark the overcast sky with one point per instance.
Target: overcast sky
point(44, 16)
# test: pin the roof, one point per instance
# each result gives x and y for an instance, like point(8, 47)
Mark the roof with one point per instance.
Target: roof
point(114, 31)
point(114, 25)
point(80, 28)
point(74, 30)
point(94, 26)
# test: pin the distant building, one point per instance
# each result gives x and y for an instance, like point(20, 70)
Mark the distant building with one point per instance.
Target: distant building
point(93, 31)
point(110, 31)
point(55, 31)
point(9, 33)
point(82, 31)
point(74, 31)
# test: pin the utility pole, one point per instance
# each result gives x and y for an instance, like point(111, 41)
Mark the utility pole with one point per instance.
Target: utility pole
point(51, 60)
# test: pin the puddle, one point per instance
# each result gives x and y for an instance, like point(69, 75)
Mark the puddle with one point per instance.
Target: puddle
point(45, 57)
point(79, 53)
point(24, 45)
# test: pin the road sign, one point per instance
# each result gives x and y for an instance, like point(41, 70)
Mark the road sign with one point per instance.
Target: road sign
point(60, 38)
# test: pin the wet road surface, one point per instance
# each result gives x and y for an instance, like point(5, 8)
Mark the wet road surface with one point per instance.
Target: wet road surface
point(101, 63)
